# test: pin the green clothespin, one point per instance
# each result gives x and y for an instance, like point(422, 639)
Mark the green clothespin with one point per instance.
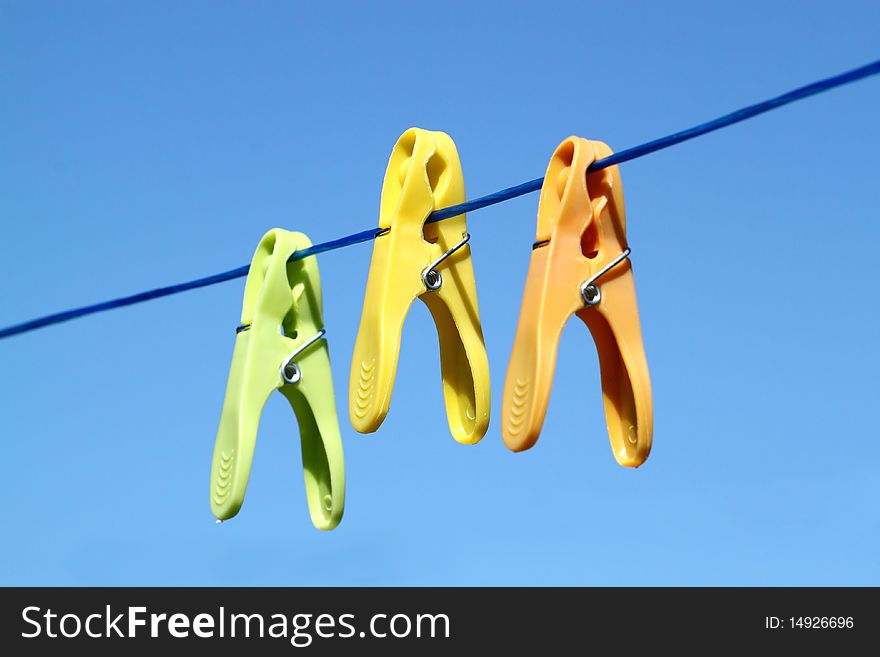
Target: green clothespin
point(280, 345)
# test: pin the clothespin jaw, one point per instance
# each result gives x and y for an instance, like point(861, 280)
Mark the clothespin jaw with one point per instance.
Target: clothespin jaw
point(280, 346)
point(579, 265)
point(431, 262)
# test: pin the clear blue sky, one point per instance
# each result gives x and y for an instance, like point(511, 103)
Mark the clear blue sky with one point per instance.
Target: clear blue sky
point(147, 143)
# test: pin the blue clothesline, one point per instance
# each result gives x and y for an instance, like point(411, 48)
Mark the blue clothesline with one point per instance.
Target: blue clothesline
point(468, 206)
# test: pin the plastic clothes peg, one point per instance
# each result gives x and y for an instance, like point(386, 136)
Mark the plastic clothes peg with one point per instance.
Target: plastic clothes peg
point(580, 265)
point(431, 262)
point(280, 345)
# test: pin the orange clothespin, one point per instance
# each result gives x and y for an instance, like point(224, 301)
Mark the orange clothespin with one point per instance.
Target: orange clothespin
point(580, 265)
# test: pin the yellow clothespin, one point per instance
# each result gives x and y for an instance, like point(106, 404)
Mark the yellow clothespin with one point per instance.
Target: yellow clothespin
point(280, 345)
point(431, 262)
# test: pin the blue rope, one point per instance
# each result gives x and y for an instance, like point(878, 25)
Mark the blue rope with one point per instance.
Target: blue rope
point(140, 297)
point(468, 206)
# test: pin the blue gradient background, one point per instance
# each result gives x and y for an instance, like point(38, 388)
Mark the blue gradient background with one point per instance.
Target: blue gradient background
point(146, 143)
